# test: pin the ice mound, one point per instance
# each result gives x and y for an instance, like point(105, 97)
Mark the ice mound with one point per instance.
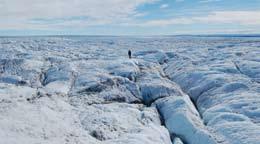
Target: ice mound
point(101, 85)
point(156, 89)
point(128, 69)
point(28, 71)
point(182, 119)
point(250, 68)
point(133, 122)
point(27, 119)
point(152, 56)
point(105, 88)
point(154, 85)
point(58, 79)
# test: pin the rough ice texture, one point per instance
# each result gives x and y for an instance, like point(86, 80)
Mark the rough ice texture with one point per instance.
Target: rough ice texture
point(224, 85)
point(85, 90)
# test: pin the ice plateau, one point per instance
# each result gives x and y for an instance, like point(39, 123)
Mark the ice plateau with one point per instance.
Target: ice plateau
point(85, 90)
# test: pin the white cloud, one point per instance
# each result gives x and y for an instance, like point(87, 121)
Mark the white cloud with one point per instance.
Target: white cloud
point(218, 31)
point(179, 0)
point(23, 14)
point(208, 1)
point(19, 13)
point(231, 17)
point(220, 17)
point(163, 22)
point(164, 6)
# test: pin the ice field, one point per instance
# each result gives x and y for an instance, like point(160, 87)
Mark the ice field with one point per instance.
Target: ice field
point(85, 90)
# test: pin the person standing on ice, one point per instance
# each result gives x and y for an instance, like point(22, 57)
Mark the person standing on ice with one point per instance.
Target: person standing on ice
point(129, 54)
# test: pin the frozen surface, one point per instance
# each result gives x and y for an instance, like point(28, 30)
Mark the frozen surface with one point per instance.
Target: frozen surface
point(182, 119)
point(194, 90)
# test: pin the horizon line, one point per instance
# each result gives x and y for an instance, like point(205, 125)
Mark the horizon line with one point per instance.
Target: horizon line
point(159, 35)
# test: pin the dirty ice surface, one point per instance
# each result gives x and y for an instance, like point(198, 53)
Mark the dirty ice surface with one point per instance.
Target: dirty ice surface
point(85, 90)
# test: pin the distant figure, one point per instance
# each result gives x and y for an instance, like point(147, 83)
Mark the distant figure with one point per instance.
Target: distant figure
point(129, 54)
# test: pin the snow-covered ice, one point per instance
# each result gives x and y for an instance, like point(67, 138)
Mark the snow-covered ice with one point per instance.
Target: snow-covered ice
point(85, 90)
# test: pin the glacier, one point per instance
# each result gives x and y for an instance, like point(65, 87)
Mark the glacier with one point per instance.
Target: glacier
point(85, 90)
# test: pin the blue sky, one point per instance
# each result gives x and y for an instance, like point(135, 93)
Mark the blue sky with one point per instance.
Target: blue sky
point(129, 17)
